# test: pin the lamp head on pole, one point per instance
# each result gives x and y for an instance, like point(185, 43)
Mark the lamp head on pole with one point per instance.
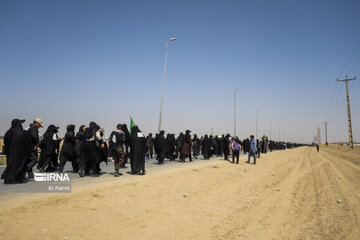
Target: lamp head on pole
point(172, 39)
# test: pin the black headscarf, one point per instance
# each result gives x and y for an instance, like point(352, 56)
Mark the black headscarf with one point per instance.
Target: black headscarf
point(50, 131)
point(91, 130)
point(187, 136)
point(81, 128)
point(70, 127)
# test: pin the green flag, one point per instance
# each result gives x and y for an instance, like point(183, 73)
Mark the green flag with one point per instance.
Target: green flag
point(132, 123)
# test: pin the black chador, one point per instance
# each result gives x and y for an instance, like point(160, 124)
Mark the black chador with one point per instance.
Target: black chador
point(196, 146)
point(222, 145)
point(171, 146)
point(91, 155)
point(217, 146)
point(79, 148)
point(246, 143)
point(206, 147)
point(179, 143)
point(17, 145)
point(68, 149)
point(161, 147)
point(226, 146)
point(49, 150)
point(213, 145)
point(137, 151)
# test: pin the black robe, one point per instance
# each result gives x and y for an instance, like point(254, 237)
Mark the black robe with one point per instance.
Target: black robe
point(217, 146)
point(68, 152)
point(68, 147)
point(17, 146)
point(206, 147)
point(171, 144)
point(179, 143)
point(196, 145)
point(161, 147)
point(213, 145)
point(49, 147)
point(226, 149)
point(137, 150)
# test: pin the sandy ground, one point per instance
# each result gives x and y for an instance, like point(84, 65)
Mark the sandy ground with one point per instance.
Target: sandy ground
point(293, 194)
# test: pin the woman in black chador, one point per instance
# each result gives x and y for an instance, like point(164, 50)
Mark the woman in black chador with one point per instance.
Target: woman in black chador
point(161, 147)
point(171, 145)
point(226, 149)
point(206, 147)
point(79, 147)
point(49, 150)
point(179, 143)
point(17, 145)
point(91, 153)
point(68, 150)
point(137, 151)
point(196, 146)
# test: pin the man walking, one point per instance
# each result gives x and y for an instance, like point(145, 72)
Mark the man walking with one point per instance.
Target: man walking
point(253, 149)
point(117, 140)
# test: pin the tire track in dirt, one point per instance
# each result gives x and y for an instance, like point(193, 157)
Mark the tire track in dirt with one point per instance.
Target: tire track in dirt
point(269, 210)
point(303, 205)
point(345, 169)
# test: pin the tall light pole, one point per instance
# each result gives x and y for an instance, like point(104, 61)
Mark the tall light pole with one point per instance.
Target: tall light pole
point(163, 85)
point(235, 111)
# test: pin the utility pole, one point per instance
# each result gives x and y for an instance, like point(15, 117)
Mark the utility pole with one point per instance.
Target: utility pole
point(318, 136)
point(346, 80)
point(326, 137)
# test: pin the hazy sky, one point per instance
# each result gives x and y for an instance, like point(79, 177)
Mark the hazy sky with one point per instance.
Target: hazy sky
point(81, 61)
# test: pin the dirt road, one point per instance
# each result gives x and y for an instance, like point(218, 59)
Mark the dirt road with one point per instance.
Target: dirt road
point(292, 194)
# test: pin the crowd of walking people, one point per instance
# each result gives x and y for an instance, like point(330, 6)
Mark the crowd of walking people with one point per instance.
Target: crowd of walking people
point(88, 147)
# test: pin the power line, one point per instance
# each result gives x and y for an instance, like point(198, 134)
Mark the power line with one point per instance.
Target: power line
point(353, 67)
point(340, 107)
point(336, 102)
point(331, 99)
point(338, 110)
point(329, 112)
point(351, 56)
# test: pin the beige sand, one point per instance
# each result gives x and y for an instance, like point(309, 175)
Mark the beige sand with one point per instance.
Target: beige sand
point(293, 194)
